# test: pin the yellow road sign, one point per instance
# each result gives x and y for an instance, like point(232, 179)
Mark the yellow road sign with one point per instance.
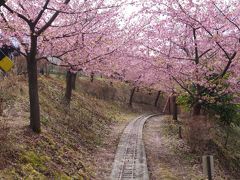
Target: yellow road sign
point(6, 63)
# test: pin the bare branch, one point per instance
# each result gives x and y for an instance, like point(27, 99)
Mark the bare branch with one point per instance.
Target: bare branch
point(18, 14)
point(41, 12)
point(51, 20)
point(231, 21)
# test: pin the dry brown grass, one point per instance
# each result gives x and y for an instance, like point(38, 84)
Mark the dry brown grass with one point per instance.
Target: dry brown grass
point(198, 132)
point(174, 158)
point(205, 135)
point(70, 135)
point(168, 156)
point(4, 140)
point(118, 91)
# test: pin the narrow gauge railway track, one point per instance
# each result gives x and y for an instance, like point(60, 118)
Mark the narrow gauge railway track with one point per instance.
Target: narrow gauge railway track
point(130, 159)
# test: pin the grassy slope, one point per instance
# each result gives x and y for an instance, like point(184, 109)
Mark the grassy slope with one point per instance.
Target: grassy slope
point(120, 91)
point(69, 135)
point(226, 160)
point(169, 157)
point(229, 155)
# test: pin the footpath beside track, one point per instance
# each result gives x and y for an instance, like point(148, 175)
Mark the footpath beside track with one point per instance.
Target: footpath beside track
point(130, 159)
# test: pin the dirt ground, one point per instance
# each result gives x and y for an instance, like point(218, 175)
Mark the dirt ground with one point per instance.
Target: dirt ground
point(170, 158)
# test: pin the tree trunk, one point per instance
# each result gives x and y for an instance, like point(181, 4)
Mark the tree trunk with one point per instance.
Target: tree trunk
point(180, 132)
point(74, 76)
point(41, 71)
point(69, 86)
point(131, 96)
point(196, 109)
point(47, 69)
point(33, 87)
point(157, 98)
point(174, 108)
point(1, 106)
point(92, 77)
point(167, 107)
point(227, 137)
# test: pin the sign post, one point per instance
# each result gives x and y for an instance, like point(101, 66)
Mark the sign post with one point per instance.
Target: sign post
point(208, 166)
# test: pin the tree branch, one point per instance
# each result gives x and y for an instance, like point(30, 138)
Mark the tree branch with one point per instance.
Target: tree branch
point(18, 14)
point(51, 20)
point(41, 12)
point(231, 21)
point(182, 86)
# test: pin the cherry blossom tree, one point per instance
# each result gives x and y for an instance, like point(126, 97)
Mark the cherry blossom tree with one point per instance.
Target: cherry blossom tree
point(44, 29)
point(199, 43)
point(190, 47)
